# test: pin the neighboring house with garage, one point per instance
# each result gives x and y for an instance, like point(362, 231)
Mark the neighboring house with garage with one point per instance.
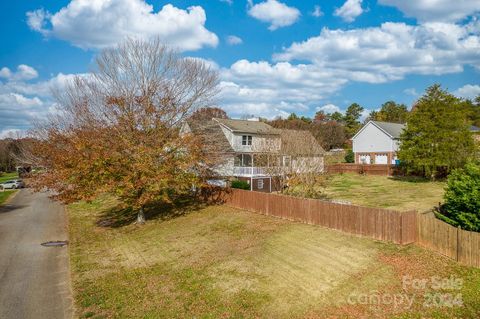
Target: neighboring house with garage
point(377, 143)
point(254, 151)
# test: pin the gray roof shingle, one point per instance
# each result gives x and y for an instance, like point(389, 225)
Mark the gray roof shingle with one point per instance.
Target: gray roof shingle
point(213, 138)
point(393, 129)
point(244, 126)
point(299, 143)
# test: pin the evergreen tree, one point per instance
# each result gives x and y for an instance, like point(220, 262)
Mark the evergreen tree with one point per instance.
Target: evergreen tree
point(462, 198)
point(437, 137)
point(390, 112)
point(336, 116)
point(473, 110)
point(352, 116)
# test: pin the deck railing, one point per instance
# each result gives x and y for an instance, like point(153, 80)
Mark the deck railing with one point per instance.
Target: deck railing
point(249, 171)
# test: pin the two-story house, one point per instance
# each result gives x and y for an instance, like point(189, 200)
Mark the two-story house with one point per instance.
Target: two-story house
point(254, 151)
point(378, 142)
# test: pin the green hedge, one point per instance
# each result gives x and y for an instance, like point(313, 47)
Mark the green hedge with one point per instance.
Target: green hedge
point(350, 157)
point(462, 198)
point(240, 184)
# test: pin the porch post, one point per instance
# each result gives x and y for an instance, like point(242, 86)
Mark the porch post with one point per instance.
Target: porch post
point(251, 168)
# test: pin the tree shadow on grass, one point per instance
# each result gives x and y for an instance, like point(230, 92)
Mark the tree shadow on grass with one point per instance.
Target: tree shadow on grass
point(120, 216)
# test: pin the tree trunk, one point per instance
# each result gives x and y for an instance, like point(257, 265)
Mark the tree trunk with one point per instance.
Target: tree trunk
point(141, 216)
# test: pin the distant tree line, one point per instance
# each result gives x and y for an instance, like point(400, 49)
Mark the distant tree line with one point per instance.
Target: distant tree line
point(11, 152)
point(7, 160)
point(333, 130)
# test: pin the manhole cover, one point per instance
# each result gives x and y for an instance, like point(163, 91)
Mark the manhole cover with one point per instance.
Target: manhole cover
point(58, 243)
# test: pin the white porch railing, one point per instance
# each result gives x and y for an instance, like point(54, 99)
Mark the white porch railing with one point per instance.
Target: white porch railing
point(248, 171)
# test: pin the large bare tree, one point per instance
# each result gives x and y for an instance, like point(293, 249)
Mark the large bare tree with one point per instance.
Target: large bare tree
point(294, 160)
point(117, 130)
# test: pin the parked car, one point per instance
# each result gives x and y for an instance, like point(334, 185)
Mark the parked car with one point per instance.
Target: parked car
point(13, 184)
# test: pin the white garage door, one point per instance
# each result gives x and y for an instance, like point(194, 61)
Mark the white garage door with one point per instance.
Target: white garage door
point(381, 159)
point(365, 159)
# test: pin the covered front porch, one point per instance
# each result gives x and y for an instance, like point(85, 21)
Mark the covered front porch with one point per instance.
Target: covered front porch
point(254, 164)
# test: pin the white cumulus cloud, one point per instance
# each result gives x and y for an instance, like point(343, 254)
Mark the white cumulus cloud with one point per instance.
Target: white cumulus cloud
point(22, 101)
point(24, 72)
point(266, 89)
point(307, 74)
point(350, 10)
point(274, 12)
point(390, 51)
point(435, 10)
point(317, 11)
point(103, 23)
point(468, 91)
point(328, 108)
point(234, 40)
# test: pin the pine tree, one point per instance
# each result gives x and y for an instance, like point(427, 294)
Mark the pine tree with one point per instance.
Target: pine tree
point(390, 112)
point(437, 137)
point(352, 116)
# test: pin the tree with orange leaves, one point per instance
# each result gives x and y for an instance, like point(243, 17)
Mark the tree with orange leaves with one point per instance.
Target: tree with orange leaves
point(117, 130)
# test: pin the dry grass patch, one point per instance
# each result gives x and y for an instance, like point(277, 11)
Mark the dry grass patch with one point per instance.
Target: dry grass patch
point(385, 192)
point(218, 262)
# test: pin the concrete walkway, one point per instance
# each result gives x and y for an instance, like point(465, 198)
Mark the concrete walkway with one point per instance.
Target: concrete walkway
point(34, 280)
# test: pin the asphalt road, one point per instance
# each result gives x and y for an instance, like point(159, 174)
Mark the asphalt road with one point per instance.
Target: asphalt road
point(34, 280)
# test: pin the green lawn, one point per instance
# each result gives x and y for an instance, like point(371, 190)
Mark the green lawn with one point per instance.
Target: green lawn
point(6, 194)
point(8, 176)
point(385, 192)
point(218, 262)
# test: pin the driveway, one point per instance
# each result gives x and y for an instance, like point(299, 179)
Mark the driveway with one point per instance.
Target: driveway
point(34, 280)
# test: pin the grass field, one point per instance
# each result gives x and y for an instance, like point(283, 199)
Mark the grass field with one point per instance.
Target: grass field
point(385, 192)
point(8, 176)
point(6, 194)
point(218, 262)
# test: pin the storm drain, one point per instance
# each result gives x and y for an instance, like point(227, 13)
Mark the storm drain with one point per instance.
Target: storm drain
point(57, 243)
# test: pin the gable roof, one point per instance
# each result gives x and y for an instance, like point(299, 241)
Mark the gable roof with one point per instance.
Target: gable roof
point(299, 142)
point(212, 136)
point(394, 130)
point(244, 126)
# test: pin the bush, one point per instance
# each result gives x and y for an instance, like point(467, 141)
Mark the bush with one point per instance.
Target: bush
point(462, 198)
point(350, 157)
point(240, 184)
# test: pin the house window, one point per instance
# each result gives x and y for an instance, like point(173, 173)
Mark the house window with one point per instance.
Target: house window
point(246, 140)
point(243, 160)
point(286, 161)
point(260, 184)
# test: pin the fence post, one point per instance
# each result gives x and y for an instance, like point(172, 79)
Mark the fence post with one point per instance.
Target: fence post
point(401, 229)
point(458, 243)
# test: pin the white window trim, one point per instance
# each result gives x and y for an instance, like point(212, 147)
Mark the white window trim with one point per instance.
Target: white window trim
point(260, 184)
point(247, 140)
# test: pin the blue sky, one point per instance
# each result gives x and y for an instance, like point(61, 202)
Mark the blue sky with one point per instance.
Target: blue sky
point(274, 56)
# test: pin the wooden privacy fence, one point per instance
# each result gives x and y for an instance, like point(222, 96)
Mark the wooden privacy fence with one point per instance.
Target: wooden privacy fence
point(381, 224)
point(458, 244)
point(369, 169)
